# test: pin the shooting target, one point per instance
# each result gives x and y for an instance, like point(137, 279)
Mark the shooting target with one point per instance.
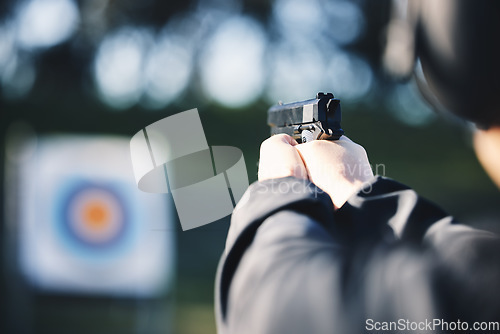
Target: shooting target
point(84, 227)
point(93, 217)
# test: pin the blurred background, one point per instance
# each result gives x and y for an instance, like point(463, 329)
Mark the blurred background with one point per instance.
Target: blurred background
point(82, 250)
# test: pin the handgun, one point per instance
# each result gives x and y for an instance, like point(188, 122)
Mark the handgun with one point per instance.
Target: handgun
point(308, 120)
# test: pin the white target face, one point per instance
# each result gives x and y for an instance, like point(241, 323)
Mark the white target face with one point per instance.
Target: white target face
point(84, 227)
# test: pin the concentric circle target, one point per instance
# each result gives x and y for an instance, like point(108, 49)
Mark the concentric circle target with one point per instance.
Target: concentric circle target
point(94, 216)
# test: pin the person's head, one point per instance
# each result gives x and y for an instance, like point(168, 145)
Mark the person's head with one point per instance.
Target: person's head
point(451, 47)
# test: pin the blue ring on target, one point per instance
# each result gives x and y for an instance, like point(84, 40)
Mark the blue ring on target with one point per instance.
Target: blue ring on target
point(93, 218)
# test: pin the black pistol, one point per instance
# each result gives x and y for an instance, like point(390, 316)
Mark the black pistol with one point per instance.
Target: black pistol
point(308, 120)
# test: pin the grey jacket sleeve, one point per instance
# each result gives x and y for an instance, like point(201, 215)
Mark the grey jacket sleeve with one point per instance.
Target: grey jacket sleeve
point(293, 265)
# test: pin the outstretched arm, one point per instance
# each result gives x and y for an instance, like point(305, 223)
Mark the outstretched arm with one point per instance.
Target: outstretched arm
point(293, 264)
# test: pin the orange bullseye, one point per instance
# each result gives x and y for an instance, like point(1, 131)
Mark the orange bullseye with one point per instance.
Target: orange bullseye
point(96, 216)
